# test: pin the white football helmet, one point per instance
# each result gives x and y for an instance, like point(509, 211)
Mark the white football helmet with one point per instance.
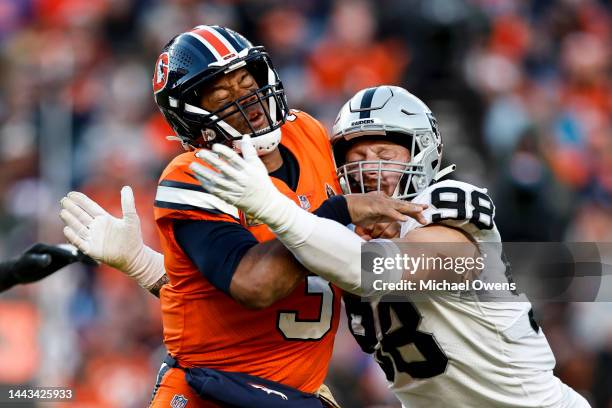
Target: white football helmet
point(390, 113)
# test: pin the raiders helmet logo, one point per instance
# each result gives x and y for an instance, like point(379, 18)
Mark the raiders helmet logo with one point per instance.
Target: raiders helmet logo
point(434, 125)
point(160, 77)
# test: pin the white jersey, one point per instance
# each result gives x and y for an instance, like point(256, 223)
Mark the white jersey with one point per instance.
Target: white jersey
point(446, 352)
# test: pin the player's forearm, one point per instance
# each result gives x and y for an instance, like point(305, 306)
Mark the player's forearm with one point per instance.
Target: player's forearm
point(266, 273)
point(147, 268)
point(324, 247)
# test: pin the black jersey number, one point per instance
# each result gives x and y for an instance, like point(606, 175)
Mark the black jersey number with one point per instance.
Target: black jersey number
point(454, 206)
point(398, 342)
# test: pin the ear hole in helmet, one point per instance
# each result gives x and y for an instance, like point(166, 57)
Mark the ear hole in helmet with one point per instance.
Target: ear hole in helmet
point(258, 67)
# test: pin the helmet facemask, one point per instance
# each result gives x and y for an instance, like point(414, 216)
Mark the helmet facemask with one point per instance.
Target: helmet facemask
point(414, 176)
point(269, 99)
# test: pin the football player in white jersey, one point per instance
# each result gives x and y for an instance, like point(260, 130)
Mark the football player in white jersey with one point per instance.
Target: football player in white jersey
point(437, 352)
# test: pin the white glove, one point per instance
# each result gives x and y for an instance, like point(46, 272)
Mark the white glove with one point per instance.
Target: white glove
point(116, 242)
point(244, 183)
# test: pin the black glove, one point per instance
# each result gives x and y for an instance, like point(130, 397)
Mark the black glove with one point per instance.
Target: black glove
point(40, 261)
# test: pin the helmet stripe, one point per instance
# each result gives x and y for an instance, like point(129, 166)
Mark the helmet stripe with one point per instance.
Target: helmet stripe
point(229, 37)
point(215, 42)
point(224, 41)
point(194, 41)
point(209, 46)
point(366, 102)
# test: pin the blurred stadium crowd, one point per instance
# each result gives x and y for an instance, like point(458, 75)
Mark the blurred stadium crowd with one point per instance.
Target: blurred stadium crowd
point(521, 89)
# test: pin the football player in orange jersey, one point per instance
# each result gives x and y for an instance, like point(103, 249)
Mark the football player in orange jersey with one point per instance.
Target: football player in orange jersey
point(237, 301)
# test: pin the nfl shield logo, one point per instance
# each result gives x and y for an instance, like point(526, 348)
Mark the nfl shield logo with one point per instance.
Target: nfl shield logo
point(178, 401)
point(304, 203)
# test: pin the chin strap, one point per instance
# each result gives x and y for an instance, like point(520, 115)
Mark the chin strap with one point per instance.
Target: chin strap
point(444, 172)
point(263, 144)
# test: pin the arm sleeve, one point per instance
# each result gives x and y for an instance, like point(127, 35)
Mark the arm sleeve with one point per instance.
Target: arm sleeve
point(214, 247)
point(7, 280)
point(332, 251)
point(322, 246)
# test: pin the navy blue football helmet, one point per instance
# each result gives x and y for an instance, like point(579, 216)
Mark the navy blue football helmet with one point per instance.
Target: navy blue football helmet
point(194, 58)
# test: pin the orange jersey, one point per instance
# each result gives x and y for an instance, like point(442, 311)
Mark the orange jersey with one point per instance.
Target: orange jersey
point(289, 342)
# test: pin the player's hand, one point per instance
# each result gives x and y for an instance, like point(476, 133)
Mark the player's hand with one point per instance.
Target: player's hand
point(239, 181)
point(41, 260)
point(116, 242)
point(386, 230)
point(107, 239)
point(376, 207)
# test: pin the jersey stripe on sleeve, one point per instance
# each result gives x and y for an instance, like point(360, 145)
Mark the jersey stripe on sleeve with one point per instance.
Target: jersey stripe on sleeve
point(184, 196)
